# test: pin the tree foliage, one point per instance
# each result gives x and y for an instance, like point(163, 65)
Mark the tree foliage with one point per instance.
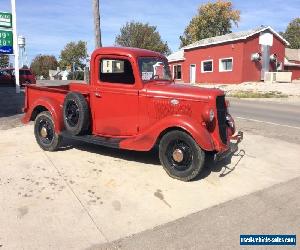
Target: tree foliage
point(142, 35)
point(4, 61)
point(212, 19)
point(41, 65)
point(292, 33)
point(73, 53)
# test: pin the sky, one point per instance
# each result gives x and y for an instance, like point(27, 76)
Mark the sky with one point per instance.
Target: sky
point(49, 24)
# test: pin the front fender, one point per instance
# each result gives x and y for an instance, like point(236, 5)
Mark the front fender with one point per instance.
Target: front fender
point(147, 140)
point(53, 106)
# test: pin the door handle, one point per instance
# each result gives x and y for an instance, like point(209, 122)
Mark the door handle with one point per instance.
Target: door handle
point(97, 94)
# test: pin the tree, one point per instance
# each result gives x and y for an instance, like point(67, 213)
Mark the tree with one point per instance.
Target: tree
point(97, 28)
point(4, 61)
point(141, 35)
point(292, 33)
point(41, 65)
point(212, 19)
point(73, 53)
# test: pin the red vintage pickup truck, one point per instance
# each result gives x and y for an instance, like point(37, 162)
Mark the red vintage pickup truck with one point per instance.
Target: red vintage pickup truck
point(131, 102)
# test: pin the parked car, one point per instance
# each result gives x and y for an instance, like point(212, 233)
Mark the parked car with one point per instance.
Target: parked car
point(7, 76)
point(131, 102)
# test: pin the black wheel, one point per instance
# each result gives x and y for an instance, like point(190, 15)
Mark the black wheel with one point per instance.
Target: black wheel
point(76, 114)
point(180, 155)
point(44, 132)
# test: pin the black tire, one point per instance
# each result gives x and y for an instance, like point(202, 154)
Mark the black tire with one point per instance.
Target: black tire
point(44, 132)
point(180, 155)
point(76, 114)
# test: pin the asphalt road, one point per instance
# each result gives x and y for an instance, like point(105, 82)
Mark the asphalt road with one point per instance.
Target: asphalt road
point(270, 119)
point(285, 115)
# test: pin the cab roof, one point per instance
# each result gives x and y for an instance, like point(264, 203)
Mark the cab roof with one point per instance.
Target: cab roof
point(126, 51)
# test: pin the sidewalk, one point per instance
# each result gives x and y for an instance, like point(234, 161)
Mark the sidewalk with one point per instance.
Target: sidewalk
point(85, 195)
point(275, 211)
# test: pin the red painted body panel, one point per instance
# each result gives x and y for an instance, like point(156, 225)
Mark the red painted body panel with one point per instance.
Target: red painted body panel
point(138, 113)
point(147, 139)
point(116, 112)
point(47, 97)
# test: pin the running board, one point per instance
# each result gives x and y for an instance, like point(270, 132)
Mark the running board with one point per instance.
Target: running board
point(98, 140)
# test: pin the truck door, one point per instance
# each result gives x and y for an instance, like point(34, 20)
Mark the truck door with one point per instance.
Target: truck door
point(115, 97)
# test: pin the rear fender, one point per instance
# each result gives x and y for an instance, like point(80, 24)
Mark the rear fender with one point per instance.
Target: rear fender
point(147, 140)
point(53, 106)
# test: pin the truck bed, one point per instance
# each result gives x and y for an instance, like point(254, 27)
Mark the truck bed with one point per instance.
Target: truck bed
point(51, 94)
point(72, 86)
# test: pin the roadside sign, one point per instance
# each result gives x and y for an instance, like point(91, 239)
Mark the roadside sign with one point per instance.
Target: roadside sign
point(5, 20)
point(9, 39)
point(6, 42)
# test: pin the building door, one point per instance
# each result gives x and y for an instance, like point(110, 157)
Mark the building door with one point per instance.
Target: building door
point(192, 73)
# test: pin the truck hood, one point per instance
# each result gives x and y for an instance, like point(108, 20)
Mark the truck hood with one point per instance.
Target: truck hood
point(181, 91)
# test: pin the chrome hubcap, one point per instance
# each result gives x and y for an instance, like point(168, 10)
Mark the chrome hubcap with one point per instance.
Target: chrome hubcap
point(44, 132)
point(178, 155)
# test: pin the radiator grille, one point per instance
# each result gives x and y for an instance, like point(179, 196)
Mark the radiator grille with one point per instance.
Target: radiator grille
point(221, 115)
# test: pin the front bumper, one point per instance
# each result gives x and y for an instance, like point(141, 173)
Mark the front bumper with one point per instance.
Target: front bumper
point(235, 139)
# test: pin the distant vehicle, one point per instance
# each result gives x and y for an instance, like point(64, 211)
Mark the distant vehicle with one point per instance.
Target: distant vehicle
point(131, 102)
point(7, 76)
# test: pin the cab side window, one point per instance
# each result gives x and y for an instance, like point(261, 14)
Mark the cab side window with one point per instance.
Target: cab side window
point(116, 71)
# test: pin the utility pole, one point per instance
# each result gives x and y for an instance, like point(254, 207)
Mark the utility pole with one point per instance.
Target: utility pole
point(15, 44)
point(97, 28)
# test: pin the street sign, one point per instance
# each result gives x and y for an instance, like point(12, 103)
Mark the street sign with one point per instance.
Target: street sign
point(6, 42)
point(5, 20)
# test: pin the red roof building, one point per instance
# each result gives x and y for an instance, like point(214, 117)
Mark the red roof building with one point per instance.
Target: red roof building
point(232, 58)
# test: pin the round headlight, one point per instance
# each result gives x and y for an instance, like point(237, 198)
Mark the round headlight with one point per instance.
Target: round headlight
point(208, 115)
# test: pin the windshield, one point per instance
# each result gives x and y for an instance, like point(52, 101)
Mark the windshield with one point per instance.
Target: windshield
point(153, 68)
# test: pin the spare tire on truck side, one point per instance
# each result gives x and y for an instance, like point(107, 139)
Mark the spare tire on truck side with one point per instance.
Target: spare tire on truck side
point(76, 114)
